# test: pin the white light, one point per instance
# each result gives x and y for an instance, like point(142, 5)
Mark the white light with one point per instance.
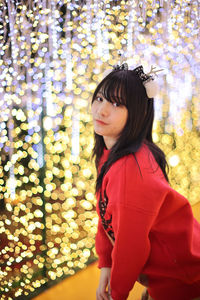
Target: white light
point(174, 160)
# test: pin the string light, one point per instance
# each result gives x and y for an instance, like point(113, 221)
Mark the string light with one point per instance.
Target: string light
point(53, 54)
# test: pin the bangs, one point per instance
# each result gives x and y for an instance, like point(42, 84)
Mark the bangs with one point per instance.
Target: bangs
point(113, 88)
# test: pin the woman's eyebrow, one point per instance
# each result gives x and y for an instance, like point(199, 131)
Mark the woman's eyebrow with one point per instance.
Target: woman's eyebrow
point(118, 97)
point(100, 93)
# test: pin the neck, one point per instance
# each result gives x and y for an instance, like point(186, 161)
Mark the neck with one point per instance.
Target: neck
point(109, 142)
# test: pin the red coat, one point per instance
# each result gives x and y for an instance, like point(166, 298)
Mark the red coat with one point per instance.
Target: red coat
point(153, 229)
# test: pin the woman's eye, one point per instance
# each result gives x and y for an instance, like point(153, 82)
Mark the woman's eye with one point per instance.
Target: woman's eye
point(116, 104)
point(99, 99)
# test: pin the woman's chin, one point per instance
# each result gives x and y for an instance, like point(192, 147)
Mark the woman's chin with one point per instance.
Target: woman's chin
point(98, 131)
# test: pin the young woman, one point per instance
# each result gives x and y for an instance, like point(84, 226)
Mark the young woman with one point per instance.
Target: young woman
point(146, 230)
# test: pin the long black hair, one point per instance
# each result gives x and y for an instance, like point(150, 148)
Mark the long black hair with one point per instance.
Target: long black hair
point(126, 88)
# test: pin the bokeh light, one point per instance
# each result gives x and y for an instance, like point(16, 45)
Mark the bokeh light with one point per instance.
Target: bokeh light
point(52, 55)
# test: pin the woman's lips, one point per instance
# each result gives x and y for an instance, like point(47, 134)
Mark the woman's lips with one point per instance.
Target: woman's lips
point(101, 122)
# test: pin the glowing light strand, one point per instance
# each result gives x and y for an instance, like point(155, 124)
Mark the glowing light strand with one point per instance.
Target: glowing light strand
point(67, 51)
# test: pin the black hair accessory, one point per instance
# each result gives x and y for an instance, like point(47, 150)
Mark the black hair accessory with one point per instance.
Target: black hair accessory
point(123, 66)
point(140, 72)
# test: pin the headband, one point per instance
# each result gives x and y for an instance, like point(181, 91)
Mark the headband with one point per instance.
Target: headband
point(148, 79)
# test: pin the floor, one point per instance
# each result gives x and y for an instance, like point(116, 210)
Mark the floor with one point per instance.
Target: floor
point(81, 286)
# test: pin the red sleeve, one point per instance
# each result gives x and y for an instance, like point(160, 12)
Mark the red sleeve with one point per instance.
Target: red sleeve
point(103, 247)
point(138, 196)
point(131, 249)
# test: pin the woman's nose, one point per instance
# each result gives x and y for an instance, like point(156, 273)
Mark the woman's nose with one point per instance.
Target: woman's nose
point(104, 108)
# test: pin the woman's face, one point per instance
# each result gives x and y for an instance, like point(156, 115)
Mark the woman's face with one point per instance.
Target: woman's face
point(109, 119)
